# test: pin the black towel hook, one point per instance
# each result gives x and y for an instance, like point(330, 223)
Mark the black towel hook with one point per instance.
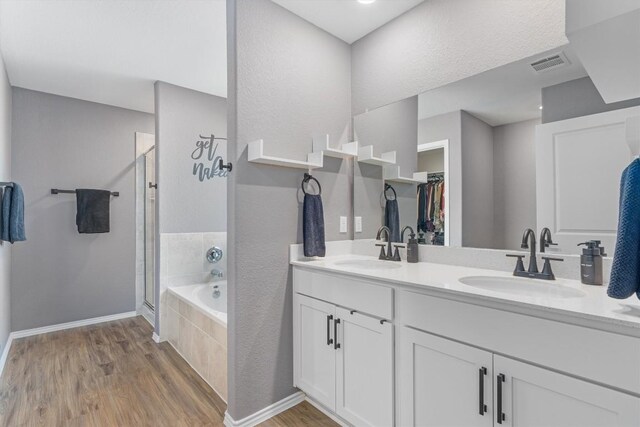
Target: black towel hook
point(389, 187)
point(307, 178)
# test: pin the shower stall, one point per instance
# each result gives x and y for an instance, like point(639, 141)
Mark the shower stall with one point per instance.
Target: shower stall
point(149, 226)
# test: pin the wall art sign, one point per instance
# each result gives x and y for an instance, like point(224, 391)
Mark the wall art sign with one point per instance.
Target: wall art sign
point(207, 163)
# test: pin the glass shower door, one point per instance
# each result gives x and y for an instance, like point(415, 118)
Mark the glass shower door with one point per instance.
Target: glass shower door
point(149, 227)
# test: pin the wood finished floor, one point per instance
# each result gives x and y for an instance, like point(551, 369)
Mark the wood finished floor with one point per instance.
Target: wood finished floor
point(113, 374)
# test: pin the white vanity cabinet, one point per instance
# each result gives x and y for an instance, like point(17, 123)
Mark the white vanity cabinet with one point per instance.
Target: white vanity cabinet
point(533, 396)
point(343, 358)
point(443, 383)
point(378, 354)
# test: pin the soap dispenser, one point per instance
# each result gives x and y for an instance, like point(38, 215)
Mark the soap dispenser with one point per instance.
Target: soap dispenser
point(412, 245)
point(591, 263)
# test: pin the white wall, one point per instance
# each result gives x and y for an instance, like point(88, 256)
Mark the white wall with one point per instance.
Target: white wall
point(5, 175)
point(442, 41)
point(514, 182)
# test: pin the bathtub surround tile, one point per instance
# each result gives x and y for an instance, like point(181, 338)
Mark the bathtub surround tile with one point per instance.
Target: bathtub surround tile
point(185, 254)
point(200, 340)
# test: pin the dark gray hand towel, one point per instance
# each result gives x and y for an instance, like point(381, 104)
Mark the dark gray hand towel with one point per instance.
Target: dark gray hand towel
point(12, 217)
point(93, 210)
point(392, 219)
point(313, 226)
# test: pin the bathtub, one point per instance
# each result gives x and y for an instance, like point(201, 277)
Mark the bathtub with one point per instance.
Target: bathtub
point(201, 296)
point(196, 326)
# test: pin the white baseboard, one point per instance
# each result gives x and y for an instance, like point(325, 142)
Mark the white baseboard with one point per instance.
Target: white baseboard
point(5, 354)
point(156, 338)
point(70, 325)
point(58, 327)
point(327, 412)
point(266, 413)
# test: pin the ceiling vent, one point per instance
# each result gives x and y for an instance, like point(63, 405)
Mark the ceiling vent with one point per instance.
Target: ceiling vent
point(549, 63)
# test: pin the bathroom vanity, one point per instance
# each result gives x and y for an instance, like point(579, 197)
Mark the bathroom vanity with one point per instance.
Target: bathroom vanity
point(389, 343)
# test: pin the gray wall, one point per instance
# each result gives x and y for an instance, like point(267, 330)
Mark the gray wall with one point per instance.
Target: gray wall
point(576, 98)
point(477, 182)
point(431, 161)
point(186, 204)
point(393, 127)
point(442, 41)
point(448, 126)
point(514, 182)
point(5, 175)
point(59, 275)
point(282, 89)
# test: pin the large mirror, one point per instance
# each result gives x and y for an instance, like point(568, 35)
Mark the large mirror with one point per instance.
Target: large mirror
point(530, 144)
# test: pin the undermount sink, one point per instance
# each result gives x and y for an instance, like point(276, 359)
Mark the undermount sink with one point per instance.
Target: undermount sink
point(525, 287)
point(368, 264)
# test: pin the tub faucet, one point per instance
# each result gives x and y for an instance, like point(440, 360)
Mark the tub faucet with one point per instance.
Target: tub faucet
point(217, 273)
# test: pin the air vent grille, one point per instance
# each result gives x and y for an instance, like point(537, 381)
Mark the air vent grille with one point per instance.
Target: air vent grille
point(550, 63)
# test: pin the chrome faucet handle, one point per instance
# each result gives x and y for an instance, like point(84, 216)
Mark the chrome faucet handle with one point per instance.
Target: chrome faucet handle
point(214, 254)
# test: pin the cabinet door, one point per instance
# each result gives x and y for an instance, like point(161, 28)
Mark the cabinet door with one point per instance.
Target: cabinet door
point(364, 369)
point(442, 383)
point(314, 355)
point(535, 397)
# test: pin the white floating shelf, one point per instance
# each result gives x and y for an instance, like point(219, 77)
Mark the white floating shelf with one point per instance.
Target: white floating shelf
point(256, 155)
point(321, 143)
point(392, 173)
point(365, 155)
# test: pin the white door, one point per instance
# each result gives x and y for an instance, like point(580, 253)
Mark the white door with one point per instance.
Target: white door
point(314, 353)
point(535, 397)
point(578, 166)
point(364, 369)
point(443, 383)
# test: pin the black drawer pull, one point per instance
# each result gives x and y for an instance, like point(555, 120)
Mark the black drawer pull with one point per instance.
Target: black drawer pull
point(500, 415)
point(482, 408)
point(329, 319)
point(336, 345)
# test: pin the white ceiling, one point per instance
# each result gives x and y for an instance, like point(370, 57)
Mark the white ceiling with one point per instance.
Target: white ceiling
point(111, 51)
point(506, 94)
point(348, 19)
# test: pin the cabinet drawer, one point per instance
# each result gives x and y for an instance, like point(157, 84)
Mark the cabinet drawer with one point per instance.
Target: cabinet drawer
point(600, 356)
point(345, 291)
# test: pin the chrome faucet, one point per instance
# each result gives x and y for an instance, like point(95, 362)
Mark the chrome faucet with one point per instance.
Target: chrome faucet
point(217, 273)
point(384, 256)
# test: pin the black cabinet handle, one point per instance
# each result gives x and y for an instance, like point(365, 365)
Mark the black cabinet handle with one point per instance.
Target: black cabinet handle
point(500, 415)
point(482, 408)
point(329, 319)
point(336, 345)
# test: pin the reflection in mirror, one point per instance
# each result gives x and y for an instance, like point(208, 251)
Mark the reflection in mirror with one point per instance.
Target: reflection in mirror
point(512, 148)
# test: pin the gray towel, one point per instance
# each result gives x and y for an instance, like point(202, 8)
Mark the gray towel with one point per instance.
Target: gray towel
point(12, 215)
point(93, 210)
point(392, 219)
point(313, 226)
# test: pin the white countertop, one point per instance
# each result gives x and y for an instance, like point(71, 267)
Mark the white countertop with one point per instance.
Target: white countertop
point(594, 306)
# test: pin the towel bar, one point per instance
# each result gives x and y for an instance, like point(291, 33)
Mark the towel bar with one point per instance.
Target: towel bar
point(57, 191)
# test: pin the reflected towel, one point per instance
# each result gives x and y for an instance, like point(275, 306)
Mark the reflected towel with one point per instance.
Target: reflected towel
point(12, 216)
point(392, 219)
point(625, 270)
point(93, 210)
point(313, 226)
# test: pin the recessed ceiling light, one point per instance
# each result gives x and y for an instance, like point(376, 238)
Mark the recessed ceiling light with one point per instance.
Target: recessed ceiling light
point(366, 1)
